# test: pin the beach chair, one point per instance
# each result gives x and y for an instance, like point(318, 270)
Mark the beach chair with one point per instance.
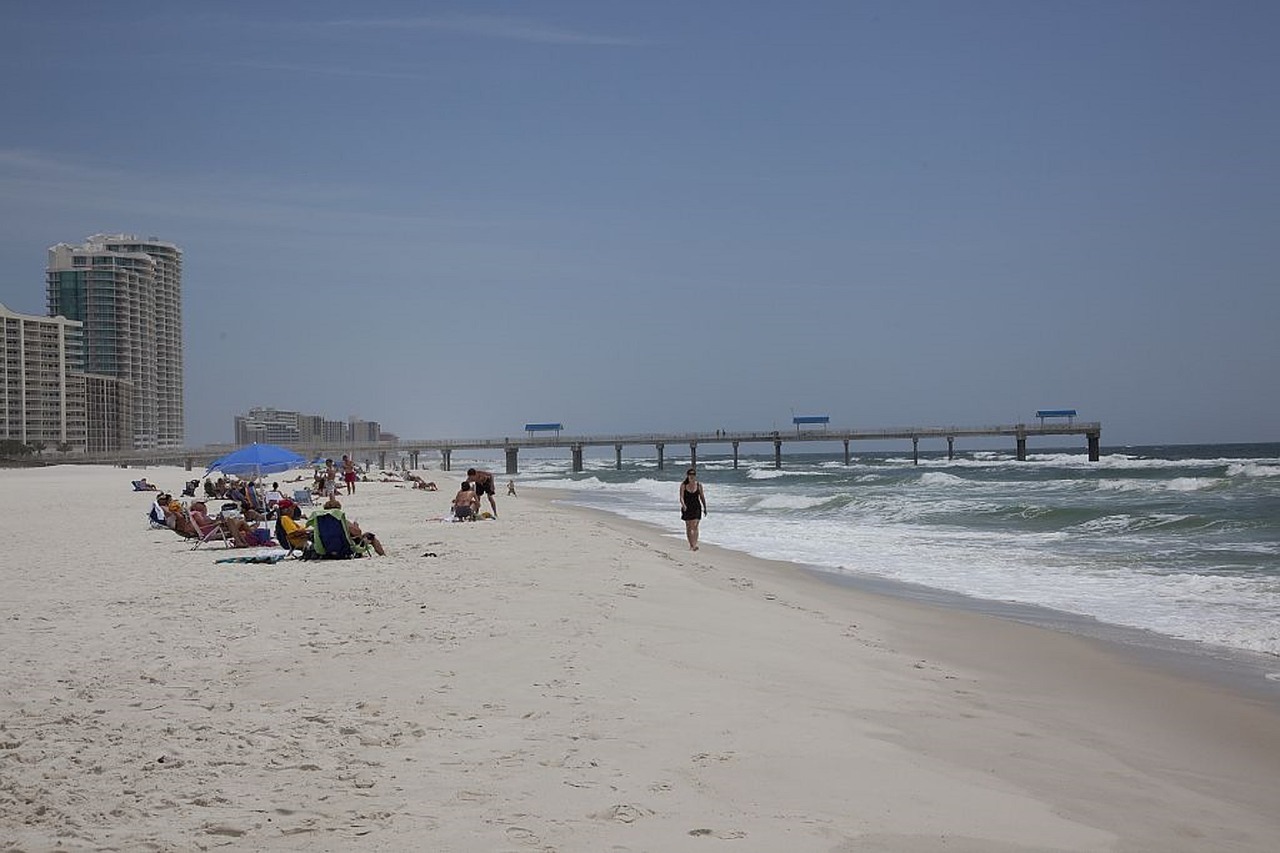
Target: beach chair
point(331, 539)
point(156, 519)
point(282, 537)
point(217, 533)
point(302, 497)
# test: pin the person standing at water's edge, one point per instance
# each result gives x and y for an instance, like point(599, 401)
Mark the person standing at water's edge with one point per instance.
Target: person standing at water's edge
point(693, 505)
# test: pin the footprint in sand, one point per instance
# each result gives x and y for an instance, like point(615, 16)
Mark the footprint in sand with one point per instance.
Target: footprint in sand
point(623, 813)
point(727, 835)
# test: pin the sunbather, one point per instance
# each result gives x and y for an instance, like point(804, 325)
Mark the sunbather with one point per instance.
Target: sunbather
point(244, 534)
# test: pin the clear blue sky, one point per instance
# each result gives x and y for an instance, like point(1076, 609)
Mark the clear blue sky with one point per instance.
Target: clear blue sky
point(458, 217)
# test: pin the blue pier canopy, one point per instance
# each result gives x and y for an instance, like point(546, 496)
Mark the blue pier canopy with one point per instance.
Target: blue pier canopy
point(802, 421)
point(544, 428)
point(1056, 413)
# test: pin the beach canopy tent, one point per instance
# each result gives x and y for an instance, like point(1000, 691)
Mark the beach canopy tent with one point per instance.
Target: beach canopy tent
point(256, 460)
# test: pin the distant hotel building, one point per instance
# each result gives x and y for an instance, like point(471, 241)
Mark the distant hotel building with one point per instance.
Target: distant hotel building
point(273, 426)
point(126, 293)
point(42, 381)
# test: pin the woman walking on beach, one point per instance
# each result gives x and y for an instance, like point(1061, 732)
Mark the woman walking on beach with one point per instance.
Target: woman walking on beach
point(693, 505)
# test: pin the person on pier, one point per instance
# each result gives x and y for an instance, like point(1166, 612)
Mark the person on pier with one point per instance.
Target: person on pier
point(693, 505)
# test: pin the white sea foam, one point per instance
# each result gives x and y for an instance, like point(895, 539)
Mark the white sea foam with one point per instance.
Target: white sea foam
point(937, 478)
point(1190, 484)
point(1176, 484)
point(788, 502)
point(1253, 469)
point(775, 473)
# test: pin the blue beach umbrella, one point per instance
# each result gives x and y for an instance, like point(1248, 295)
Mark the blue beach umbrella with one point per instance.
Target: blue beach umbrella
point(256, 460)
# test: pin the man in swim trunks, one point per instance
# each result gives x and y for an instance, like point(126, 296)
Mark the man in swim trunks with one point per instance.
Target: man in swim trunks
point(482, 482)
point(349, 474)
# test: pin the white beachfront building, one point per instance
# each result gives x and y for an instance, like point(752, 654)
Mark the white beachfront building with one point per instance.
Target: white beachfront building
point(42, 381)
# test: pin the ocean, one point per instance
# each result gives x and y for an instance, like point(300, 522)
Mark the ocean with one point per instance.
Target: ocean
point(1181, 541)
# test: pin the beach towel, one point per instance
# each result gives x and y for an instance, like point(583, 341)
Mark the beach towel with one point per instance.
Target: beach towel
point(275, 555)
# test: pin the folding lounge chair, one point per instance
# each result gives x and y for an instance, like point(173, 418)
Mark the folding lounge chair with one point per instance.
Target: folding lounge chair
point(218, 532)
point(283, 538)
point(331, 540)
point(302, 497)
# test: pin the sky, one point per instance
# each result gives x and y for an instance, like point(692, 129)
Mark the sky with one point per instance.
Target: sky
point(627, 217)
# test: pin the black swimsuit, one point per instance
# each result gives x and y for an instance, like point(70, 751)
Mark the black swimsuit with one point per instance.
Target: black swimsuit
point(692, 505)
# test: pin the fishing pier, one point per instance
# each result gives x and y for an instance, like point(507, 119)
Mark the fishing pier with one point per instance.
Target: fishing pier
point(511, 447)
point(548, 436)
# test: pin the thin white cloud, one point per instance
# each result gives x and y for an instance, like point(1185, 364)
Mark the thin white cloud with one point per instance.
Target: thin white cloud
point(325, 70)
point(483, 26)
point(34, 162)
point(30, 178)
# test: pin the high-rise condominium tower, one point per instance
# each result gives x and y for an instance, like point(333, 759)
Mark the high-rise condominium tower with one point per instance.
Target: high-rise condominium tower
point(127, 293)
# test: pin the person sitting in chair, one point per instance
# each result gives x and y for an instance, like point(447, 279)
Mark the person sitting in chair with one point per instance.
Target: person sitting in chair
point(204, 525)
point(159, 513)
point(363, 541)
point(292, 527)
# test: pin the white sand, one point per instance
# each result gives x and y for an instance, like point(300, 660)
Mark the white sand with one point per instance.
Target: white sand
point(559, 681)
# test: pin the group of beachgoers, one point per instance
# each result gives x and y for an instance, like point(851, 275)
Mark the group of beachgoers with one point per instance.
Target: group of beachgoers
point(239, 524)
point(325, 477)
point(243, 520)
point(466, 503)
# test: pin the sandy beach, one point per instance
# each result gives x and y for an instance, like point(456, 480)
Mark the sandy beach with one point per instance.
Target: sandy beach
point(558, 680)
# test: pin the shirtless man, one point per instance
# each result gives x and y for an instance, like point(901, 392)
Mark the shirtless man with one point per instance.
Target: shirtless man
point(482, 482)
point(465, 503)
point(349, 473)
